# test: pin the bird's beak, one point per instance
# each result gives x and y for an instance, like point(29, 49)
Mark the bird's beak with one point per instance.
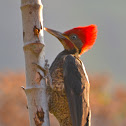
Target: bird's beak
point(57, 34)
point(61, 37)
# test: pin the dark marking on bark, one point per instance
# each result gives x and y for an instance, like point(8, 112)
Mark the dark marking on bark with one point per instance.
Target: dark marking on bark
point(36, 31)
point(41, 25)
point(39, 117)
point(23, 34)
point(38, 78)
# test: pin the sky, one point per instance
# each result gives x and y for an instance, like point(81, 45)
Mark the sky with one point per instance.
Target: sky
point(108, 55)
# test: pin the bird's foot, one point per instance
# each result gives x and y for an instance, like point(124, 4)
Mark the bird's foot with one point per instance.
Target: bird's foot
point(45, 70)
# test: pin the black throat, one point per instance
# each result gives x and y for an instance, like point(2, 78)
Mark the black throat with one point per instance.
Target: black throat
point(74, 51)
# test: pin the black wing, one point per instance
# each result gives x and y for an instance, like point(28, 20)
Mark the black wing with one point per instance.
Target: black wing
point(76, 87)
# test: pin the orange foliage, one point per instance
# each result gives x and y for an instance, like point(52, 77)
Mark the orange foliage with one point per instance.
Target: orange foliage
point(13, 110)
point(107, 109)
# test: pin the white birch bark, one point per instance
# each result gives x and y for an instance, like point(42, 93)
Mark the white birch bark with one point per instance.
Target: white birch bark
point(34, 53)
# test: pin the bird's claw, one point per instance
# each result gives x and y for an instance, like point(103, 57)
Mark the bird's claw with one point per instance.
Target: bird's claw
point(45, 70)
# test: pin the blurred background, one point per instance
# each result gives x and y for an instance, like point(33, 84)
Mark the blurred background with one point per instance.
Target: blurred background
point(105, 62)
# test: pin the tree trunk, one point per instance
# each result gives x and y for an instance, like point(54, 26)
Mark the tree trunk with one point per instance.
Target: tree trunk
point(35, 90)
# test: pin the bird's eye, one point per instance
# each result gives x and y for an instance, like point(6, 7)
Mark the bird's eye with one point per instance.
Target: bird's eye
point(74, 37)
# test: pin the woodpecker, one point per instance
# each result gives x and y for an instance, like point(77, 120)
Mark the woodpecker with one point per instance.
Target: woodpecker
point(69, 94)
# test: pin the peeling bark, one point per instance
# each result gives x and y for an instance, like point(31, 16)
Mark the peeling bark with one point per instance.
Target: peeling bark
point(39, 117)
point(34, 53)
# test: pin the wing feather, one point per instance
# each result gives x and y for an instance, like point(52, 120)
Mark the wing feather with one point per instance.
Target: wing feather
point(75, 86)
